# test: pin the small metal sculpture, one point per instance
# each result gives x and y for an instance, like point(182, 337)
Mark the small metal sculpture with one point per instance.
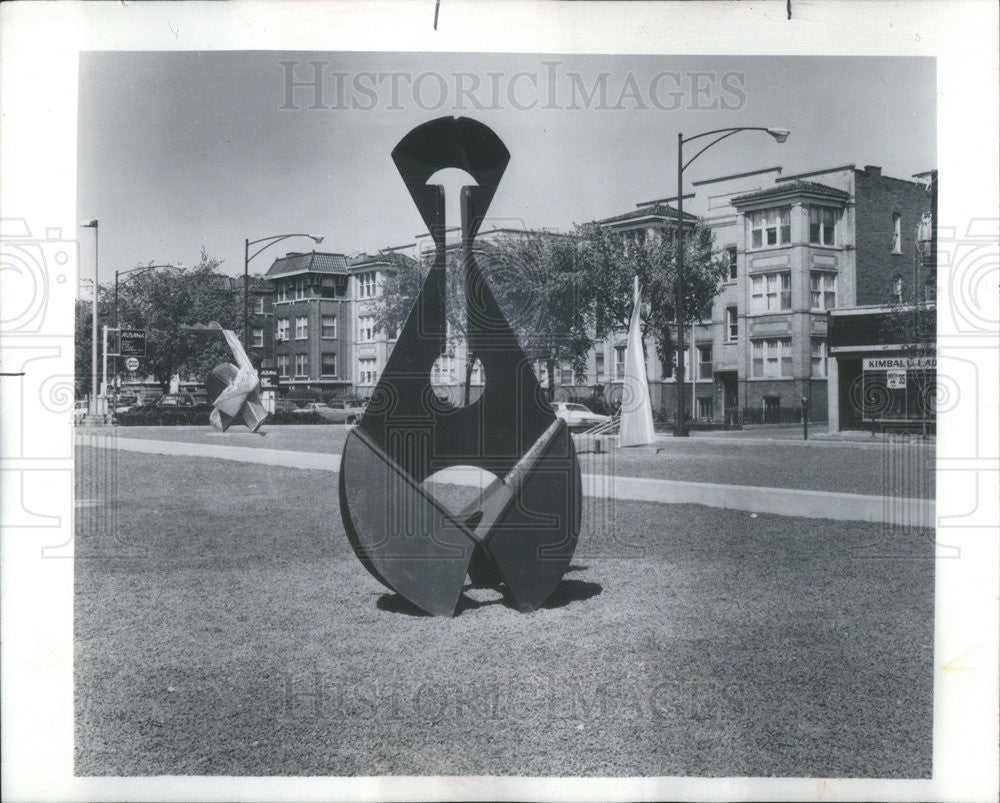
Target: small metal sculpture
point(521, 532)
point(233, 391)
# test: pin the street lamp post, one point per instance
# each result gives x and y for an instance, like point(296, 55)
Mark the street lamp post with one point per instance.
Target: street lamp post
point(780, 135)
point(92, 224)
point(247, 257)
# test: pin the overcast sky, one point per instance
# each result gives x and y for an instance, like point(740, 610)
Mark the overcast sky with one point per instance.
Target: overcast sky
point(179, 150)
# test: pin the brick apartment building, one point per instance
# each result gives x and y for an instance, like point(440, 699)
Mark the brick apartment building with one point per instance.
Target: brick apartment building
point(313, 320)
point(798, 246)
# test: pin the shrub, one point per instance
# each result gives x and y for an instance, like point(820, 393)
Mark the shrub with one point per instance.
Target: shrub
point(188, 416)
point(165, 416)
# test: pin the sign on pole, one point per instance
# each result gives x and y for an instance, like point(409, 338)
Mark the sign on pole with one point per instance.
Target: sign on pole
point(268, 378)
point(132, 342)
point(132, 364)
point(896, 379)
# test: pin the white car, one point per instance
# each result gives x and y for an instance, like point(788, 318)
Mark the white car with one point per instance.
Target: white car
point(577, 416)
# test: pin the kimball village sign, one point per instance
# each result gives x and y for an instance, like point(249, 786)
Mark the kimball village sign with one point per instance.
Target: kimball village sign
point(899, 363)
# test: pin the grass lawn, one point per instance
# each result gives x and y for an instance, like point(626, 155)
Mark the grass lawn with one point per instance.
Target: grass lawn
point(897, 468)
point(230, 630)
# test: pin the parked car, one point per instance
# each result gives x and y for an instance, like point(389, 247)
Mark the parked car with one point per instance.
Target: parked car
point(126, 403)
point(176, 400)
point(339, 412)
point(577, 416)
point(346, 411)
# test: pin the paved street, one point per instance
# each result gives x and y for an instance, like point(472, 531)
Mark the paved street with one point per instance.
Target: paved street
point(878, 467)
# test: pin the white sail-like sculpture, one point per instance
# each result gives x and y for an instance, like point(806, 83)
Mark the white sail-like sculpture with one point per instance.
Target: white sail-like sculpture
point(637, 412)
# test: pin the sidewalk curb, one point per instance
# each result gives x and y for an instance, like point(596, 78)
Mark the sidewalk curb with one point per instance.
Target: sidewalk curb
point(753, 499)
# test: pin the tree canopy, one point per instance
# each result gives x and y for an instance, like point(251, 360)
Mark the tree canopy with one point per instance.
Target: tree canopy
point(563, 292)
point(161, 302)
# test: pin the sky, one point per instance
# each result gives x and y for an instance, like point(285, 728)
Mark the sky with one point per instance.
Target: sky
point(183, 150)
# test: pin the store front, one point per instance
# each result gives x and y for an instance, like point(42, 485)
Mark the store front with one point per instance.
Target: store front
point(879, 380)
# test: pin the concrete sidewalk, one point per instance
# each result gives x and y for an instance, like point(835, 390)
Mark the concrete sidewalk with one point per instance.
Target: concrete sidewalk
point(754, 499)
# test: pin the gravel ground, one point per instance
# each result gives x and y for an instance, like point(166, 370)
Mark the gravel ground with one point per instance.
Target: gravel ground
point(217, 638)
point(891, 468)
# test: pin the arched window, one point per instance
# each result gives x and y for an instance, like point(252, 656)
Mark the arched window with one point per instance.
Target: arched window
point(897, 233)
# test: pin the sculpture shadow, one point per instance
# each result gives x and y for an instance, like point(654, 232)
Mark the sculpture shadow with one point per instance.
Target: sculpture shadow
point(568, 591)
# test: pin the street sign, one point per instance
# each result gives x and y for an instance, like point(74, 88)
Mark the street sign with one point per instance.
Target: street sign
point(132, 364)
point(268, 378)
point(132, 343)
point(896, 379)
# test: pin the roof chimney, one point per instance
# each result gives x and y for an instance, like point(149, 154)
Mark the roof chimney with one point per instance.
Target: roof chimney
point(873, 170)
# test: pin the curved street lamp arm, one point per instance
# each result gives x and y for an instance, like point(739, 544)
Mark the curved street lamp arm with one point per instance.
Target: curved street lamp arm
point(269, 241)
point(142, 269)
point(780, 134)
point(710, 144)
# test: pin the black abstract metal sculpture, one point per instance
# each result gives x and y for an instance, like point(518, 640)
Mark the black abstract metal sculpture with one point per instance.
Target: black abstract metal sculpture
point(520, 534)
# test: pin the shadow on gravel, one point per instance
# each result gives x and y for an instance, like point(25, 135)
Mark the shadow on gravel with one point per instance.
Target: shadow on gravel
point(566, 592)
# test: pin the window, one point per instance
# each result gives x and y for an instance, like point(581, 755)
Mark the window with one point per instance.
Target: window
point(366, 328)
point(366, 371)
point(282, 328)
point(822, 224)
point(301, 328)
point(772, 357)
point(302, 365)
point(732, 324)
point(732, 263)
point(822, 290)
point(818, 357)
point(282, 365)
point(599, 366)
point(329, 364)
point(257, 338)
point(897, 233)
point(283, 288)
point(771, 292)
point(704, 407)
point(704, 362)
point(301, 287)
point(619, 362)
point(897, 290)
point(328, 326)
point(366, 284)
point(705, 314)
point(770, 227)
point(260, 305)
point(444, 368)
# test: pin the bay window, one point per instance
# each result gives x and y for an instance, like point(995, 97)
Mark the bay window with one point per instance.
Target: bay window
point(771, 292)
point(770, 227)
point(772, 357)
point(823, 224)
point(822, 289)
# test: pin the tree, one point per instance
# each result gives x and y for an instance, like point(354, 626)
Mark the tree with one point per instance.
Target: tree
point(164, 301)
point(539, 281)
point(544, 284)
point(615, 258)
